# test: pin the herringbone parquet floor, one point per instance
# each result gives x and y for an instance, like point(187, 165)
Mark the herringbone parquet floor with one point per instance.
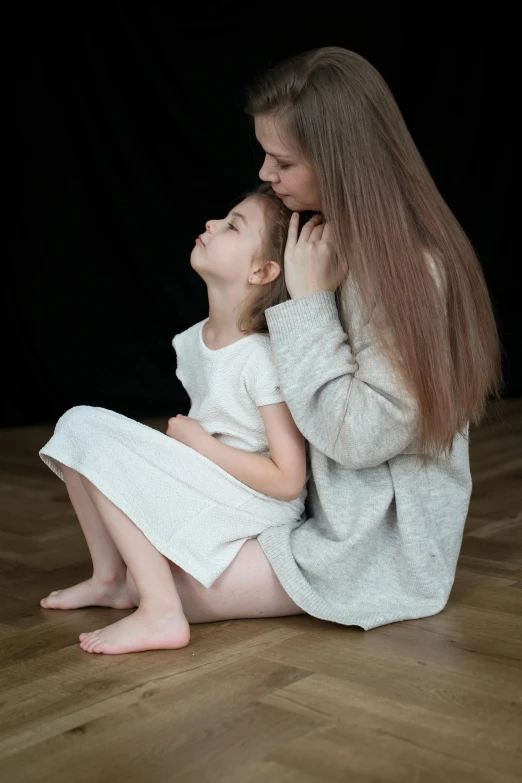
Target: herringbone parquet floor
point(288, 700)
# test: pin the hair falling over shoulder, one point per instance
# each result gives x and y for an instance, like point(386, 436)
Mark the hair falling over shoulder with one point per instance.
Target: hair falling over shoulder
point(415, 271)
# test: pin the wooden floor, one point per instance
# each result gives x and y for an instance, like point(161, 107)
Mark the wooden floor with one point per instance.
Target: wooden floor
point(263, 701)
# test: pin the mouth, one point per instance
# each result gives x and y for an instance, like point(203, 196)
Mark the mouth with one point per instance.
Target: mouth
point(281, 195)
point(200, 241)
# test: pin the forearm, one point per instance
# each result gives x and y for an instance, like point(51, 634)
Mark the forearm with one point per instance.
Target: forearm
point(350, 407)
point(258, 472)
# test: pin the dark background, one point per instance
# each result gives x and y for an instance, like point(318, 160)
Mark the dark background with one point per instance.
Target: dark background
point(129, 133)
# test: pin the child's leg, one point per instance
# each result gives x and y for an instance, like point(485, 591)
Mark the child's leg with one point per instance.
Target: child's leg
point(247, 588)
point(107, 586)
point(159, 622)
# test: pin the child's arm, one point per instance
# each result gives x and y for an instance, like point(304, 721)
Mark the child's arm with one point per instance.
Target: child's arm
point(283, 474)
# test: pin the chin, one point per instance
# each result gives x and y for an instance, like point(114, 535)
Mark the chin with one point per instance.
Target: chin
point(297, 206)
point(291, 203)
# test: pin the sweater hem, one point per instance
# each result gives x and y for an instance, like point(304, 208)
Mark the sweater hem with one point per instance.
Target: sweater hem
point(300, 591)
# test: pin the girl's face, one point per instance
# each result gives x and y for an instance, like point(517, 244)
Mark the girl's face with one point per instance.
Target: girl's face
point(229, 247)
point(291, 177)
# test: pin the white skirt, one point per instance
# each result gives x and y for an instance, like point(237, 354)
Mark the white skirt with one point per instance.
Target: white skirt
point(193, 512)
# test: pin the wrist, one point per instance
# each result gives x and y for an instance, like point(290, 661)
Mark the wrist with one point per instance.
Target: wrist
point(204, 443)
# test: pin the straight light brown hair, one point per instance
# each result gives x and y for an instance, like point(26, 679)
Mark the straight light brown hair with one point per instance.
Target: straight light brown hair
point(395, 235)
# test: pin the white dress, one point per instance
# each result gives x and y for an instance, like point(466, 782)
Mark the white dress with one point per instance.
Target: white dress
point(193, 511)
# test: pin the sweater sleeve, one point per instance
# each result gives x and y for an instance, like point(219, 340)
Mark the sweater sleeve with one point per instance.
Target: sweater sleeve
point(349, 407)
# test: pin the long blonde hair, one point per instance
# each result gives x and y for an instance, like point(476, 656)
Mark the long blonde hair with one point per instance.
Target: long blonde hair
point(393, 233)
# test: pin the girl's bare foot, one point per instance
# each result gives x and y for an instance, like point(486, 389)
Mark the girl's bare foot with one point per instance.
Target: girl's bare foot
point(92, 592)
point(144, 630)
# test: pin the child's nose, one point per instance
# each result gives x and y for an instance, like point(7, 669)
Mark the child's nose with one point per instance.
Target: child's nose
point(210, 225)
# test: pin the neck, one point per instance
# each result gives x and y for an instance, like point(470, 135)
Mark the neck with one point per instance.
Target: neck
point(223, 311)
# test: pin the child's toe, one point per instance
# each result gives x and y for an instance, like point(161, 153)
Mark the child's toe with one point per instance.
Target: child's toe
point(92, 641)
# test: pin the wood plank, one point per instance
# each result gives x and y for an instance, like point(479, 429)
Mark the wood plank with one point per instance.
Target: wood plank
point(336, 754)
point(173, 716)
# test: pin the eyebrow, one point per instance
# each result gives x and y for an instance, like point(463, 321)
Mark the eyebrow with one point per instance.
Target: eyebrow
point(273, 155)
point(239, 215)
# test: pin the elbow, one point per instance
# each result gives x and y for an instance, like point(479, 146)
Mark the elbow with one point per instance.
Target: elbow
point(370, 454)
point(352, 461)
point(289, 496)
point(291, 490)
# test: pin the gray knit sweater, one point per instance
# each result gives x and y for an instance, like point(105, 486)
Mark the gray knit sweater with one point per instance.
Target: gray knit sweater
point(380, 536)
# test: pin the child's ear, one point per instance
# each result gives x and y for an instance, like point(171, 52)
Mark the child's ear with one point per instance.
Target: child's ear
point(264, 272)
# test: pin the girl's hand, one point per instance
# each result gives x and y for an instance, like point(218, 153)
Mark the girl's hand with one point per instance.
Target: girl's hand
point(309, 259)
point(187, 431)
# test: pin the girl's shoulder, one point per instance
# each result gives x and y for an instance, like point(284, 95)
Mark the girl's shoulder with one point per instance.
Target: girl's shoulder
point(188, 336)
point(261, 345)
point(260, 355)
point(260, 374)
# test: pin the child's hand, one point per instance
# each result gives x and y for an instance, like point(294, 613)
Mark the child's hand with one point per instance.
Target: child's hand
point(187, 431)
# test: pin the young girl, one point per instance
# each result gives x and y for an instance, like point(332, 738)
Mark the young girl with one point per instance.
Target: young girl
point(234, 467)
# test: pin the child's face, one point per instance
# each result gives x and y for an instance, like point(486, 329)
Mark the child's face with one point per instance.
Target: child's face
point(291, 177)
point(227, 250)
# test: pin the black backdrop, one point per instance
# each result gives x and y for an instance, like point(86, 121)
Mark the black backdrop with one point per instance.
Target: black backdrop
point(129, 133)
